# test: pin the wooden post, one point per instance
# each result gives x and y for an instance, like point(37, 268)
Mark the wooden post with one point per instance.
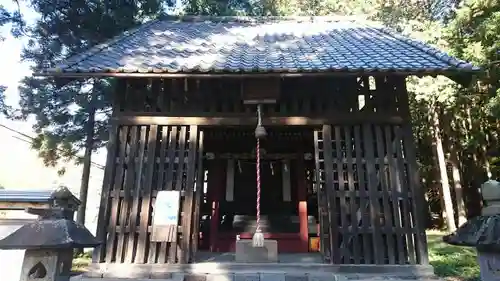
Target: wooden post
point(200, 182)
point(330, 189)
point(215, 171)
point(302, 198)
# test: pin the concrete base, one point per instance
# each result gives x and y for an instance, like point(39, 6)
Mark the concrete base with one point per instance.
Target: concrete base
point(246, 253)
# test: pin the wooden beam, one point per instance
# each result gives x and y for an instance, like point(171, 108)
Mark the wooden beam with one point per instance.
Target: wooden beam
point(267, 121)
point(418, 73)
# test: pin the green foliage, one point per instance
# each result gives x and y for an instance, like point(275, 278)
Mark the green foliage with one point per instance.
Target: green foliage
point(17, 24)
point(279, 7)
point(4, 108)
point(81, 261)
point(14, 18)
point(452, 261)
point(474, 34)
point(391, 12)
point(61, 108)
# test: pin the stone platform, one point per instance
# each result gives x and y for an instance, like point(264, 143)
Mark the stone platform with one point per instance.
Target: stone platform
point(276, 276)
point(260, 272)
point(223, 267)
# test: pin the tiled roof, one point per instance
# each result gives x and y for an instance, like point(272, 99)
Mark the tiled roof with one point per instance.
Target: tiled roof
point(239, 45)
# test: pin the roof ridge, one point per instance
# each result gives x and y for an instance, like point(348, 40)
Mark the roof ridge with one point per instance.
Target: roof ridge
point(78, 58)
point(429, 49)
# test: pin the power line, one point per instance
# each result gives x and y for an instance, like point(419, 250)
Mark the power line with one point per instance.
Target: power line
point(31, 139)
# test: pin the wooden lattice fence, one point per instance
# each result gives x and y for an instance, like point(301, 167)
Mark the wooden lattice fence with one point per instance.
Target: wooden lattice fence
point(367, 175)
point(145, 160)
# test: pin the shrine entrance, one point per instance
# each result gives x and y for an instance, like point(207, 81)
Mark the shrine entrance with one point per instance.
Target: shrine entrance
point(289, 212)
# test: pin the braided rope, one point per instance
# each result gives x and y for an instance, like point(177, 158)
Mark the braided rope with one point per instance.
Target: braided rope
point(258, 185)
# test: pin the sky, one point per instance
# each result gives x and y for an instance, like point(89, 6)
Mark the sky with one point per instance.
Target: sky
point(14, 70)
point(20, 167)
point(11, 53)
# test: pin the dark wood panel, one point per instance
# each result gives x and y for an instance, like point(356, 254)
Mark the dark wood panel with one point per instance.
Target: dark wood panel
point(371, 211)
point(353, 199)
point(136, 179)
point(329, 187)
point(295, 96)
point(188, 199)
point(99, 253)
point(145, 206)
point(323, 212)
point(366, 173)
point(114, 250)
point(250, 120)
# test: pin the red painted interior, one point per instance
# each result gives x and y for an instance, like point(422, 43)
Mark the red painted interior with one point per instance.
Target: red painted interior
point(302, 198)
point(215, 182)
point(287, 242)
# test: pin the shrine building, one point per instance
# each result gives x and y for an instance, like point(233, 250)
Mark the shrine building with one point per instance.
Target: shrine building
point(339, 175)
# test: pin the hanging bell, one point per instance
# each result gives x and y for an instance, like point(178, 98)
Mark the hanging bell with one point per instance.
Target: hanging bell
point(260, 132)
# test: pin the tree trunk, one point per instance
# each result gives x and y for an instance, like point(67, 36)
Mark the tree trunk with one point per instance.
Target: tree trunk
point(487, 166)
point(451, 140)
point(457, 185)
point(87, 161)
point(445, 184)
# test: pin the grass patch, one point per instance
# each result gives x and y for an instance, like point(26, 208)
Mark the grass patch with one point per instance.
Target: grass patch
point(455, 263)
point(81, 262)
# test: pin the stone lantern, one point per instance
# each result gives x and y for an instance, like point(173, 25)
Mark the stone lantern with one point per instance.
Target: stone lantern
point(49, 242)
point(483, 233)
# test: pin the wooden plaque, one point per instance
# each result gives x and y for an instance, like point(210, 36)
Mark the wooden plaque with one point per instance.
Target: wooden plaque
point(260, 90)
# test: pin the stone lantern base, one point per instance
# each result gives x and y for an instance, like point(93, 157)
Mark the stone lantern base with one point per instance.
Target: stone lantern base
point(47, 265)
point(489, 264)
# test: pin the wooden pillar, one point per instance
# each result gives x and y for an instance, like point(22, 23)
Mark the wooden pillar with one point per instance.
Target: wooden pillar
point(302, 205)
point(418, 203)
point(214, 182)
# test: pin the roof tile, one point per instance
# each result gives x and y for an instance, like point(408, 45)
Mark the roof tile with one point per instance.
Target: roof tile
point(264, 46)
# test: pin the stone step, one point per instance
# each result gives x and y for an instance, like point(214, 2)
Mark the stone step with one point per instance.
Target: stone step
point(270, 276)
point(174, 277)
point(388, 277)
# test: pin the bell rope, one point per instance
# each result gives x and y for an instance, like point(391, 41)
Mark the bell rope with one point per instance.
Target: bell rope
point(260, 132)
